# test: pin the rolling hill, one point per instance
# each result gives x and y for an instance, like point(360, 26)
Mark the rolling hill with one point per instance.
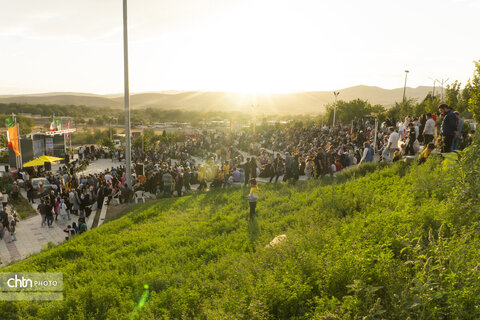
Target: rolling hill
point(379, 242)
point(293, 103)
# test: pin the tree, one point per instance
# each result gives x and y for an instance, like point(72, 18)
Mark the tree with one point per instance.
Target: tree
point(106, 142)
point(452, 94)
point(401, 110)
point(465, 97)
point(99, 121)
point(474, 101)
point(350, 110)
point(26, 124)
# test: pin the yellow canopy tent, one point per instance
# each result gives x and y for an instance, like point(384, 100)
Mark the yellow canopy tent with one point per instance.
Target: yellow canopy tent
point(41, 161)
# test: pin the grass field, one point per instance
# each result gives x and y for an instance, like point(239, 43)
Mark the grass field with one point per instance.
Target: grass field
point(401, 242)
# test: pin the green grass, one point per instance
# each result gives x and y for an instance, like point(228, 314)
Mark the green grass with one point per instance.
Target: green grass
point(401, 242)
point(23, 208)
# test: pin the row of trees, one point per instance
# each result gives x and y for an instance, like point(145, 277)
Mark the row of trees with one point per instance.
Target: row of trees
point(105, 115)
point(466, 101)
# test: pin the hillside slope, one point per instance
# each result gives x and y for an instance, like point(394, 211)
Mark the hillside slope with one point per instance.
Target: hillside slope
point(298, 103)
point(400, 242)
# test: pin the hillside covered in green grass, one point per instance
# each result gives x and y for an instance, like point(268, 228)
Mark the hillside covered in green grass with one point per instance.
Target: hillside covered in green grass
point(400, 242)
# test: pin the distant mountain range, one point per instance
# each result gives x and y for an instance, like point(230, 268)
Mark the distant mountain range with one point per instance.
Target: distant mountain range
point(292, 103)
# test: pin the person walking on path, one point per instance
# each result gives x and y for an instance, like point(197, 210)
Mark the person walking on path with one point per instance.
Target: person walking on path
point(3, 223)
point(30, 191)
point(42, 209)
point(13, 222)
point(62, 209)
point(49, 214)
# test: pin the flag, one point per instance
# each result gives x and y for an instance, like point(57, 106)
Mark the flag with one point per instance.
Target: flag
point(59, 125)
point(67, 136)
point(13, 139)
point(52, 123)
point(9, 122)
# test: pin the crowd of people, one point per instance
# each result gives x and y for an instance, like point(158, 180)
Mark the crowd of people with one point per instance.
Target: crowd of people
point(216, 159)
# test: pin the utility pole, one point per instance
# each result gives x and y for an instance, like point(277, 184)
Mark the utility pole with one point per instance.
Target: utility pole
point(128, 147)
point(442, 83)
point(405, 85)
point(336, 93)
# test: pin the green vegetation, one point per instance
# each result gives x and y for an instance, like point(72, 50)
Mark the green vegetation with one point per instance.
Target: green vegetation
point(401, 242)
point(21, 205)
point(23, 208)
point(474, 92)
point(105, 115)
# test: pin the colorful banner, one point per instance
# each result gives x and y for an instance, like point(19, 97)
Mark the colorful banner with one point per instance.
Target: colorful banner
point(67, 136)
point(12, 134)
point(59, 125)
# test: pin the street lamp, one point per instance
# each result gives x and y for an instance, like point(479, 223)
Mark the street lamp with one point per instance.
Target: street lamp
point(336, 93)
point(128, 147)
point(405, 85)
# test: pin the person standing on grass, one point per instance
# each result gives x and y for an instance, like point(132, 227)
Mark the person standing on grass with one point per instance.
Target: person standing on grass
point(253, 197)
point(411, 137)
point(429, 130)
point(392, 143)
point(246, 168)
point(458, 136)
point(15, 191)
point(449, 127)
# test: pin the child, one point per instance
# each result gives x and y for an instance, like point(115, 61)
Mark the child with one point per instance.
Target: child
point(253, 197)
point(397, 155)
point(425, 153)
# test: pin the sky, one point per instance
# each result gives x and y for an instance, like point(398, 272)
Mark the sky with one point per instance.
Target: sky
point(262, 46)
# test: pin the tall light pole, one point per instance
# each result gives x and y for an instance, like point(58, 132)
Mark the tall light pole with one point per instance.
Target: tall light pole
point(442, 83)
point(434, 82)
point(128, 147)
point(405, 85)
point(336, 93)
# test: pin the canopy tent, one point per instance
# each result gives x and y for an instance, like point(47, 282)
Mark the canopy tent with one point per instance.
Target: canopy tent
point(41, 161)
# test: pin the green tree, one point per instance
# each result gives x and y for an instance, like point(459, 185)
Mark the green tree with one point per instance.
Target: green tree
point(452, 94)
point(26, 124)
point(350, 110)
point(106, 142)
point(465, 97)
point(474, 101)
point(99, 121)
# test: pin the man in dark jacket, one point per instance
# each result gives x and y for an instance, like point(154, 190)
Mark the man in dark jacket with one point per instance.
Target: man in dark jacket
point(449, 127)
point(246, 169)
